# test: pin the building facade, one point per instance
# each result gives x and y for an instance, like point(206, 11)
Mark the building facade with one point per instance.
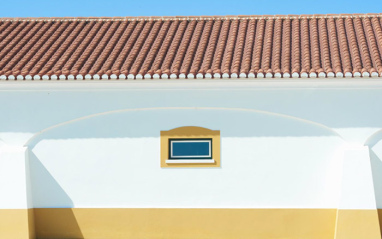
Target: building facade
point(279, 114)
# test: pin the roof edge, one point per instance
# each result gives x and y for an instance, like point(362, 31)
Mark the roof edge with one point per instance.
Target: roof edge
point(164, 18)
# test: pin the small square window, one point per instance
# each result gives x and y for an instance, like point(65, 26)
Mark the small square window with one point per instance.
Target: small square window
point(190, 149)
point(190, 146)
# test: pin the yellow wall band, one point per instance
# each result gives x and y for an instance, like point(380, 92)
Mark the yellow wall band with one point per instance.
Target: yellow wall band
point(357, 224)
point(16, 223)
point(189, 223)
point(185, 223)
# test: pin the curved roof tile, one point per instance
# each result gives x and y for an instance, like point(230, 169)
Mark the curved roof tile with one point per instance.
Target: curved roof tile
point(191, 47)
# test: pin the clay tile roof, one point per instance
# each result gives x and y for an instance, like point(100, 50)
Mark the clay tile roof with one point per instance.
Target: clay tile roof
point(191, 47)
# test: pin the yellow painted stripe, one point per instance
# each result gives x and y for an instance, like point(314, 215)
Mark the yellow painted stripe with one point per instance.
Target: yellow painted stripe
point(185, 223)
point(16, 223)
point(357, 224)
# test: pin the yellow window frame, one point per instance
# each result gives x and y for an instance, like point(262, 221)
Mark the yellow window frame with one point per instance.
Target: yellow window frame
point(190, 132)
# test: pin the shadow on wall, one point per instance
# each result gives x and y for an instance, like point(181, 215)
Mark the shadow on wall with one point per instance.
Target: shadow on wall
point(375, 150)
point(374, 143)
point(231, 122)
point(50, 220)
point(376, 166)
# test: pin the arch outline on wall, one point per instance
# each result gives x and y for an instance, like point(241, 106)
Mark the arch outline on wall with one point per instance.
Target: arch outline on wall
point(34, 139)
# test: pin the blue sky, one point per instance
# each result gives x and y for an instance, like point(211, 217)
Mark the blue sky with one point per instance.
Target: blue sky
point(60, 8)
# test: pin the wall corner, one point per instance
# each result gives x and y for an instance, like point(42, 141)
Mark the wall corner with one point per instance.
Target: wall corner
point(357, 215)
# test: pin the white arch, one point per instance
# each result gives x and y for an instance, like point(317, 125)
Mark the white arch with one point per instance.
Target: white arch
point(29, 142)
point(374, 138)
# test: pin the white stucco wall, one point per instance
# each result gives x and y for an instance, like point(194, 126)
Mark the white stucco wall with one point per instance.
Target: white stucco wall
point(14, 178)
point(283, 149)
point(113, 160)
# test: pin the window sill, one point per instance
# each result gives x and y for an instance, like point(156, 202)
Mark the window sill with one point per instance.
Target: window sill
point(183, 161)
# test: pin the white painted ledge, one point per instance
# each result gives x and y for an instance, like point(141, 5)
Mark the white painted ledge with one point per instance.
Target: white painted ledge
point(183, 161)
point(190, 84)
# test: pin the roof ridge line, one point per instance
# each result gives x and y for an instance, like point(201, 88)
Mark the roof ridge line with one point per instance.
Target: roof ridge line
point(164, 18)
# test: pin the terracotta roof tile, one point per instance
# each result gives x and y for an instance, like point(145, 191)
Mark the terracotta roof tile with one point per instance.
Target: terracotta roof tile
point(305, 47)
point(200, 52)
point(267, 47)
point(139, 59)
point(192, 47)
point(286, 47)
point(276, 53)
point(51, 37)
point(95, 48)
point(185, 44)
point(122, 54)
point(116, 52)
point(372, 44)
point(345, 45)
point(314, 48)
point(230, 48)
point(208, 56)
point(23, 57)
point(137, 48)
point(378, 35)
point(365, 56)
point(354, 52)
point(344, 48)
point(324, 46)
point(110, 42)
point(154, 49)
point(238, 55)
point(257, 49)
point(221, 44)
point(296, 47)
point(156, 67)
point(171, 53)
point(46, 61)
point(334, 49)
point(79, 46)
point(248, 48)
point(65, 50)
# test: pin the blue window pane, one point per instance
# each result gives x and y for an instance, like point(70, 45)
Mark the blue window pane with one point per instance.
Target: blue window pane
point(182, 149)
